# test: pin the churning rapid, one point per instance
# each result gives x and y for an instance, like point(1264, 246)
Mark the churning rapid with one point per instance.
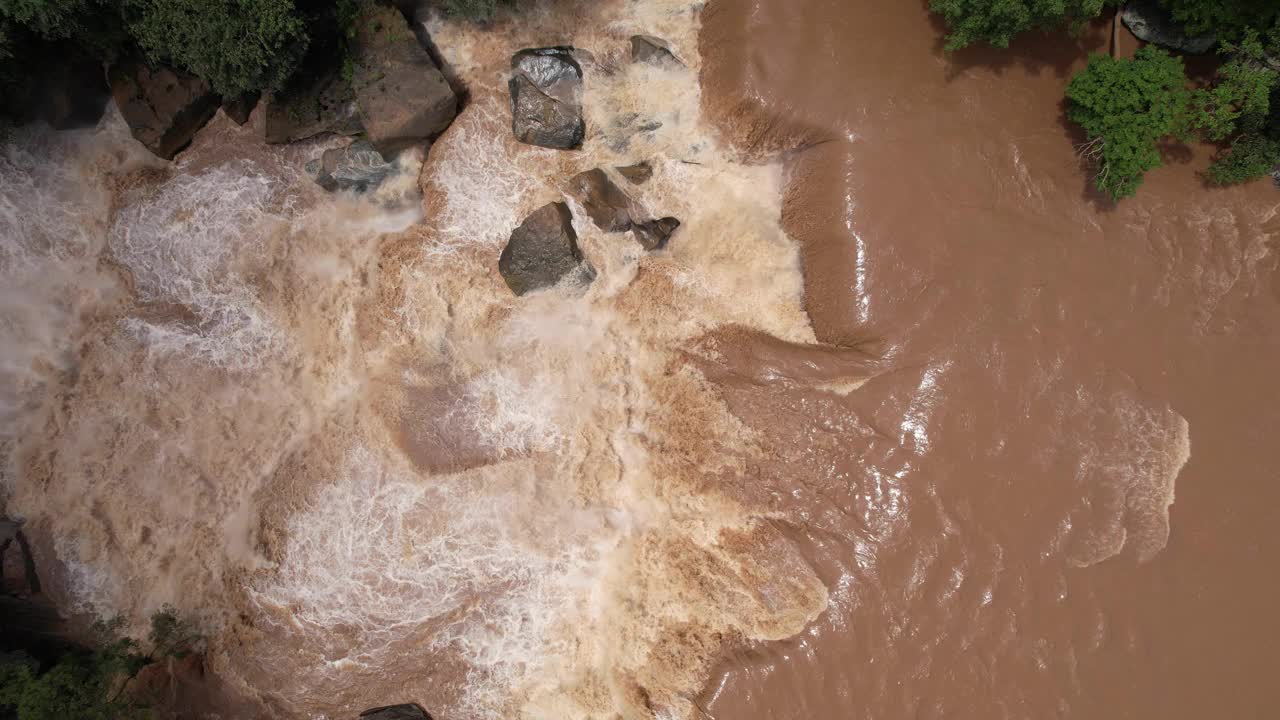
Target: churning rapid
point(891, 428)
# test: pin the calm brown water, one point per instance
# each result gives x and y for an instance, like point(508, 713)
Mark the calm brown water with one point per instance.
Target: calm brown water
point(903, 423)
point(989, 511)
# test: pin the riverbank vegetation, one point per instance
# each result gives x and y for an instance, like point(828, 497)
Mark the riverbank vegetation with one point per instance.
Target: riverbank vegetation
point(89, 683)
point(237, 46)
point(1130, 108)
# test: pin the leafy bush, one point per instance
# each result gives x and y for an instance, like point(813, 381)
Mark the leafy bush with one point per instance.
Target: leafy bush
point(1229, 19)
point(238, 46)
point(1126, 107)
point(90, 684)
point(1250, 157)
point(996, 22)
point(471, 9)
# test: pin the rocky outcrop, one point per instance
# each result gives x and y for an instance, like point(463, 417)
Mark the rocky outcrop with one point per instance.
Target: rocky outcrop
point(546, 98)
point(637, 174)
point(654, 234)
point(310, 106)
point(542, 251)
point(239, 108)
point(396, 712)
point(606, 204)
point(163, 107)
point(1150, 21)
point(654, 51)
point(403, 98)
point(358, 167)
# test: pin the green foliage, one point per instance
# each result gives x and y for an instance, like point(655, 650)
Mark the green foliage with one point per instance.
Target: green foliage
point(237, 45)
point(1229, 19)
point(52, 19)
point(89, 684)
point(996, 22)
point(1240, 99)
point(1250, 157)
point(471, 9)
point(1126, 107)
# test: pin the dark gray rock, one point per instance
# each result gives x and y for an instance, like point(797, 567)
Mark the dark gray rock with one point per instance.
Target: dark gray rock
point(654, 51)
point(164, 107)
point(396, 712)
point(402, 96)
point(546, 98)
point(310, 106)
point(68, 91)
point(606, 204)
point(654, 234)
point(542, 251)
point(1150, 21)
point(241, 107)
point(358, 167)
point(637, 174)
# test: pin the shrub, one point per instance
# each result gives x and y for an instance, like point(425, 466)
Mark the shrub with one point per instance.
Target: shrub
point(1250, 157)
point(238, 46)
point(89, 684)
point(471, 9)
point(1126, 107)
point(996, 22)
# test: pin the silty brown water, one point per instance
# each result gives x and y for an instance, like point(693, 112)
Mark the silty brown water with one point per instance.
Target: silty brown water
point(992, 512)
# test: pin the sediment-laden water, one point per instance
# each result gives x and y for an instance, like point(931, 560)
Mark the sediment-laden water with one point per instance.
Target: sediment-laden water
point(893, 428)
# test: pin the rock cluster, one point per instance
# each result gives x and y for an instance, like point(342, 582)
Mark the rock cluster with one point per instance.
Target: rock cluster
point(164, 108)
point(358, 167)
point(546, 110)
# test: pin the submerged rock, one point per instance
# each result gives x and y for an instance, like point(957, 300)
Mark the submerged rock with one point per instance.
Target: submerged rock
point(311, 106)
point(542, 251)
point(654, 234)
point(403, 98)
point(637, 174)
point(410, 711)
point(1150, 21)
point(606, 204)
point(164, 108)
point(546, 98)
point(358, 167)
point(654, 51)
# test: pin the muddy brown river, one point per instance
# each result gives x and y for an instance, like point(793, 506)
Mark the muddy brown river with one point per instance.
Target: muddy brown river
point(1004, 515)
point(905, 422)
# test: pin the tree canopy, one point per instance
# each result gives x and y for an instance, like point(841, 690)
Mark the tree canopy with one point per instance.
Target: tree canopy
point(996, 22)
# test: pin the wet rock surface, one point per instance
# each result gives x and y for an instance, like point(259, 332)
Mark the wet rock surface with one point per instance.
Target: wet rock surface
point(163, 107)
point(1150, 21)
point(396, 712)
point(358, 167)
point(637, 174)
point(312, 106)
point(402, 97)
point(654, 234)
point(239, 108)
point(654, 51)
point(542, 251)
point(546, 98)
point(606, 204)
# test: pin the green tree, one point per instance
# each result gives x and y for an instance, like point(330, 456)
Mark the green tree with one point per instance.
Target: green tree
point(238, 46)
point(996, 22)
point(1126, 107)
point(1230, 20)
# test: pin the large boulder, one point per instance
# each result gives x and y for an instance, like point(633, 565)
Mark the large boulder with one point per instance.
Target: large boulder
point(402, 96)
point(546, 98)
point(654, 51)
point(1150, 21)
point(396, 712)
point(312, 105)
point(542, 251)
point(358, 167)
point(164, 107)
point(606, 204)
